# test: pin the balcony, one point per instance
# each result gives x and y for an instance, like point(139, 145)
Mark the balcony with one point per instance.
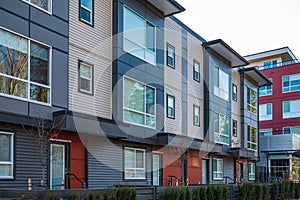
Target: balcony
point(280, 64)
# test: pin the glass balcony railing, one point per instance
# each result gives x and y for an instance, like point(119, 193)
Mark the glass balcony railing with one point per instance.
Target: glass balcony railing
point(279, 64)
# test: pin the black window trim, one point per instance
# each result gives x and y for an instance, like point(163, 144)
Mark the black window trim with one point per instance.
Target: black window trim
point(79, 78)
point(195, 61)
point(194, 106)
point(167, 55)
point(234, 98)
point(236, 128)
point(92, 17)
point(171, 117)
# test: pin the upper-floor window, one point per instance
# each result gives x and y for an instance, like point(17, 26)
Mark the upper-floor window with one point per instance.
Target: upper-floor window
point(45, 5)
point(196, 71)
point(291, 109)
point(265, 112)
point(234, 128)
point(221, 84)
point(170, 106)
point(270, 64)
point(291, 130)
point(135, 163)
point(86, 11)
point(85, 77)
point(291, 83)
point(24, 68)
point(139, 103)
point(234, 92)
point(170, 56)
point(266, 132)
point(251, 101)
point(251, 171)
point(251, 138)
point(221, 132)
point(6, 155)
point(139, 36)
point(265, 90)
point(196, 115)
point(217, 169)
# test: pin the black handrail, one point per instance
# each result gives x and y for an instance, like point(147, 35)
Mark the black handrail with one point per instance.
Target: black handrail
point(226, 179)
point(84, 185)
point(171, 180)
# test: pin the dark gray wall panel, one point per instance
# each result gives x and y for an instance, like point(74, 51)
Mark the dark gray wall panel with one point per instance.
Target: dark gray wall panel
point(13, 106)
point(16, 6)
point(14, 23)
point(59, 9)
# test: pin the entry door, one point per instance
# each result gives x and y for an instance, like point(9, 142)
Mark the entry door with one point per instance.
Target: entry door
point(156, 166)
point(57, 166)
point(240, 172)
point(204, 171)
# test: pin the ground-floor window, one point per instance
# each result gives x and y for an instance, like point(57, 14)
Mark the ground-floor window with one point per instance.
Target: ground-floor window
point(217, 169)
point(6, 155)
point(134, 160)
point(280, 170)
point(251, 171)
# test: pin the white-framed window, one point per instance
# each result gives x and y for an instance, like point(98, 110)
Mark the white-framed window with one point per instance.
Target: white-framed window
point(170, 106)
point(234, 92)
point(291, 83)
point(196, 70)
point(196, 115)
point(252, 138)
point(251, 101)
point(6, 155)
point(265, 112)
point(45, 5)
point(139, 36)
point(221, 83)
point(291, 109)
point(86, 11)
point(266, 132)
point(85, 77)
point(265, 90)
point(251, 171)
point(170, 55)
point(217, 169)
point(25, 68)
point(221, 129)
point(234, 128)
point(135, 163)
point(139, 102)
point(292, 130)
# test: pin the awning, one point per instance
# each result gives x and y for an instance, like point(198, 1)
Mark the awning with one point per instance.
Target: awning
point(168, 7)
point(227, 52)
point(256, 75)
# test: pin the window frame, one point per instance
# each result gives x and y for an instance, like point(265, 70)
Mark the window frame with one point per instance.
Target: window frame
point(136, 111)
point(251, 174)
point(46, 11)
point(250, 107)
point(174, 104)
point(145, 49)
point(89, 10)
point(218, 172)
point(250, 142)
point(28, 81)
point(194, 115)
point(12, 157)
point(262, 132)
point(194, 71)
point(167, 55)
point(234, 128)
point(218, 88)
point(267, 116)
point(234, 93)
point(262, 93)
point(283, 112)
point(219, 134)
point(290, 129)
point(290, 86)
point(134, 168)
point(80, 62)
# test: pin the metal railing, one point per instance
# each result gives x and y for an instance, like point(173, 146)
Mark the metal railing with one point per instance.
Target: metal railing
point(280, 64)
point(84, 185)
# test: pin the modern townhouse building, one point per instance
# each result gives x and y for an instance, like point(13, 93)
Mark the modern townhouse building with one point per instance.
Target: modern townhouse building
point(139, 98)
point(278, 115)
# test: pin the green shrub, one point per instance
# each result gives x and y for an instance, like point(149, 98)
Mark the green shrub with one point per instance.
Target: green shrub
point(124, 193)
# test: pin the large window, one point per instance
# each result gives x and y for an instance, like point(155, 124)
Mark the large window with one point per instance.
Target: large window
point(292, 130)
point(234, 128)
point(139, 36)
point(221, 125)
point(217, 169)
point(221, 84)
point(291, 109)
point(251, 171)
point(251, 101)
point(265, 90)
point(86, 11)
point(24, 68)
point(265, 112)
point(170, 56)
point(170, 106)
point(134, 163)
point(139, 103)
point(196, 115)
point(6, 155)
point(42, 4)
point(196, 71)
point(270, 64)
point(85, 77)
point(265, 132)
point(252, 138)
point(291, 83)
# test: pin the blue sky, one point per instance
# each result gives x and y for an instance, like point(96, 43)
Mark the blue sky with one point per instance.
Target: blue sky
point(247, 26)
